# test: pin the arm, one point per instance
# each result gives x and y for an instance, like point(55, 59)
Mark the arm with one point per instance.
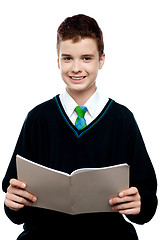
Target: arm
point(139, 202)
point(23, 147)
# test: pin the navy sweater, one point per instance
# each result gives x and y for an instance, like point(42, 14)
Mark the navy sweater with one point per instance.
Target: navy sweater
point(49, 138)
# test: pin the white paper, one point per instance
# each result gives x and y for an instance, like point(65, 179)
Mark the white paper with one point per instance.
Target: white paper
point(83, 191)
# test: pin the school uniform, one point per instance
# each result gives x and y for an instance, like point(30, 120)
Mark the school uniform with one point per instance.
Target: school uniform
point(49, 137)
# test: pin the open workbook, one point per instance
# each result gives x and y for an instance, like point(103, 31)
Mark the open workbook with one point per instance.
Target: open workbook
point(85, 190)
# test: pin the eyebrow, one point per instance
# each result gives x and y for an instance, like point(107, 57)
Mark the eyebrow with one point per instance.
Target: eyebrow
point(88, 55)
point(65, 55)
point(84, 55)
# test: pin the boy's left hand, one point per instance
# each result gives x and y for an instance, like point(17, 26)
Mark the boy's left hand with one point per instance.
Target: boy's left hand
point(127, 202)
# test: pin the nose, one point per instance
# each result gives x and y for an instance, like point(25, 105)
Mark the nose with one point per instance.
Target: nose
point(76, 67)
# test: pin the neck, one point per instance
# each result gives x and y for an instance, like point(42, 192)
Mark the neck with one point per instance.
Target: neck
point(81, 97)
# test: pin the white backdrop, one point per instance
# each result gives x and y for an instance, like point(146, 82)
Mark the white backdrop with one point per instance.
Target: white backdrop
point(29, 73)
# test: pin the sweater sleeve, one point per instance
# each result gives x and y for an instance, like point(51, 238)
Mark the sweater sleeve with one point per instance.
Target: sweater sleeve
point(22, 148)
point(142, 175)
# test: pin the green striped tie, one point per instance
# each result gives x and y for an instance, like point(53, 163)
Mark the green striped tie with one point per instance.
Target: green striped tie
point(80, 121)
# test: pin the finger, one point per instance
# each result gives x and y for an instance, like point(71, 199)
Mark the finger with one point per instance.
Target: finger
point(119, 200)
point(22, 193)
point(129, 191)
point(132, 211)
point(13, 205)
point(125, 206)
point(17, 183)
point(19, 200)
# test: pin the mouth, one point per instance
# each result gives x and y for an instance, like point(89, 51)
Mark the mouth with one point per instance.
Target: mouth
point(77, 78)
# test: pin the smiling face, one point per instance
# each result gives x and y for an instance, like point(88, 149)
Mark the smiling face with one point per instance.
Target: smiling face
point(79, 64)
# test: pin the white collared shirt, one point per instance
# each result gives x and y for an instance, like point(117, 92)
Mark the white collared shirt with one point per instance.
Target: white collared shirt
point(94, 105)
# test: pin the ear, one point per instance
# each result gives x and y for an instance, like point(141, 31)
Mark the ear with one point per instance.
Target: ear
point(101, 61)
point(58, 63)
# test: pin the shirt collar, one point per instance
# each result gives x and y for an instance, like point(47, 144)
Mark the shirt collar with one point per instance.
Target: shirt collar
point(92, 103)
point(70, 104)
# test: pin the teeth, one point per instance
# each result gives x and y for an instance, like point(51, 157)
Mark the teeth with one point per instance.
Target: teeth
point(77, 78)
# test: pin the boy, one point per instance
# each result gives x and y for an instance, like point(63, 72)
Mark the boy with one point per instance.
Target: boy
point(56, 134)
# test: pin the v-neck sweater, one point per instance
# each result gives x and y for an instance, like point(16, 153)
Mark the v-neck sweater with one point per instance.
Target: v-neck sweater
point(48, 137)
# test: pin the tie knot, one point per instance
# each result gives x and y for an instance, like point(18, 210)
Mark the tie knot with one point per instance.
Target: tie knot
point(81, 110)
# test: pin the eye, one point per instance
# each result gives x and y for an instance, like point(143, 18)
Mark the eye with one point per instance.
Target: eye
point(87, 58)
point(67, 59)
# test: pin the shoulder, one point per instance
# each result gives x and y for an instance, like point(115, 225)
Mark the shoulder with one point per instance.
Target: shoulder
point(121, 109)
point(118, 110)
point(123, 119)
point(43, 110)
point(122, 113)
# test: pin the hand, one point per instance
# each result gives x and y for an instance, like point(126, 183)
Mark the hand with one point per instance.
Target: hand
point(17, 197)
point(127, 202)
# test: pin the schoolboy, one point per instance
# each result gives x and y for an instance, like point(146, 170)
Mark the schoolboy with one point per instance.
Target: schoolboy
point(55, 136)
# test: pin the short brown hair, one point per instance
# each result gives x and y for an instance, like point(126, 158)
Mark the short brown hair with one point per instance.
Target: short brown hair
point(78, 27)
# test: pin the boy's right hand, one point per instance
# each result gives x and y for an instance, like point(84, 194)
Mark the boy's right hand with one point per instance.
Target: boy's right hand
point(17, 197)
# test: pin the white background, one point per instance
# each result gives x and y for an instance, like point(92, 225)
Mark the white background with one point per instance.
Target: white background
point(29, 73)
